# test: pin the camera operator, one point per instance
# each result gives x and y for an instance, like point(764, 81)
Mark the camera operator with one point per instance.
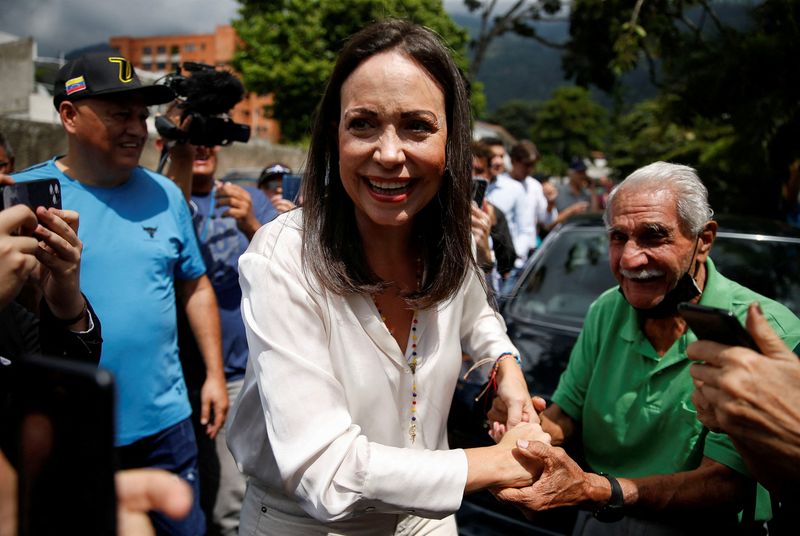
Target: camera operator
point(225, 217)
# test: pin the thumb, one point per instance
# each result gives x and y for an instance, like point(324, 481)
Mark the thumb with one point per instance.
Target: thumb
point(533, 449)
point(767, 340)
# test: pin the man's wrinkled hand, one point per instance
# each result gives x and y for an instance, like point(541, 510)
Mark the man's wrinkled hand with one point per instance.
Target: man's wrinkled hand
point(562, 481)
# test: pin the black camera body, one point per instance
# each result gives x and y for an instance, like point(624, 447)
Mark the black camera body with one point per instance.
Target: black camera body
point(207, 95)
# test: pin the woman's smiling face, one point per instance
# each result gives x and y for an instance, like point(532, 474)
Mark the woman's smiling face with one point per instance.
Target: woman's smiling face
point(392, 135)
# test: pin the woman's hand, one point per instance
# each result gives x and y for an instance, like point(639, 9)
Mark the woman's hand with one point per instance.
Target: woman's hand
point(509, 437)
point(498, 416)
point(501, 465)
point(512, 391)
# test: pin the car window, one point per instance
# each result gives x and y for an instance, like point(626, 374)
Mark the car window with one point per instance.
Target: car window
point(567, 277)
point(768, 266)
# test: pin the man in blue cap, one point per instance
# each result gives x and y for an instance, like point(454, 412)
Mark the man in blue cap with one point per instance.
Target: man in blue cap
point(576, 196)
point(140, 251)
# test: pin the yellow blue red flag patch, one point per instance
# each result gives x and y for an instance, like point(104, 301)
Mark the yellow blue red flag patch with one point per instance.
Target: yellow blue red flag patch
point(74, 85)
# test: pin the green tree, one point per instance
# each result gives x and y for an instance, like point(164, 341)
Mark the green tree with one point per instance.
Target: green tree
point(569, 124)
point(516, 116)
point(726, 73)
point(290, 47)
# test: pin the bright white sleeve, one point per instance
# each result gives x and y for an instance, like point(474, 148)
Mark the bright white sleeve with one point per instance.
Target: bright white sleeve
point(483, 331)
point(325, 461)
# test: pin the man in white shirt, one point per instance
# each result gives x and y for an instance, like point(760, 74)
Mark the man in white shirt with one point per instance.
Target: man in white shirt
point(524, 157)
point(509, 196)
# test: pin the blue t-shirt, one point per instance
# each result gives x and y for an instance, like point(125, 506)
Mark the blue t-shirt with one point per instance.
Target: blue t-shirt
point(222, 243)
point(137, 238)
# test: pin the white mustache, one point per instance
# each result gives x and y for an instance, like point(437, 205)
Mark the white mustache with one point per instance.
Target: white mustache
point(640, 274)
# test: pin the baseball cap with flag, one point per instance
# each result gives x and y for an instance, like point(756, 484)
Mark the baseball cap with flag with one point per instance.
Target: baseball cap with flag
point(100, 74)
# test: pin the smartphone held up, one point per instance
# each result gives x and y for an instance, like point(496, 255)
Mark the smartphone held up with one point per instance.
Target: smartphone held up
point(39, 193)
point(479, 186)
point(714, 324)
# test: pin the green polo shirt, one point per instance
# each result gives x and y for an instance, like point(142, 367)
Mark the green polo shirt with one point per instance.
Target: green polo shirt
point(635, 407)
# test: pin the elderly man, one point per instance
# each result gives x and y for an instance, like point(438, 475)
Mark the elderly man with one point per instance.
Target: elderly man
point(140, 251)
point(627, 387)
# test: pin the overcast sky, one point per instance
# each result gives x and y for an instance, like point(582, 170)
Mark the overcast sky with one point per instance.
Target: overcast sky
point(64, 25)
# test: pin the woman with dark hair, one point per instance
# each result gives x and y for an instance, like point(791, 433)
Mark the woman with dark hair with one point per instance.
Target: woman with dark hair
point(358, 306)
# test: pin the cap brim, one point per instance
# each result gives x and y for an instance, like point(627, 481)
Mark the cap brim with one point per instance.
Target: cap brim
point(151, 95)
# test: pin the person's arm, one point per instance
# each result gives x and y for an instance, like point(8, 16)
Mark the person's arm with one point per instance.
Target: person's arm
point(483, 336)
point(754, 398)
point(181, 154)
point(180, 165)
point(563, 483)
point(200, 302)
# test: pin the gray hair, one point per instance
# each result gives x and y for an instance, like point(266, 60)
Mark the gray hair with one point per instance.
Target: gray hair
point(691, 196)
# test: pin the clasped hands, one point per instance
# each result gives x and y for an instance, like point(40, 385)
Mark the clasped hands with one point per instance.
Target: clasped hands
point(555, 480)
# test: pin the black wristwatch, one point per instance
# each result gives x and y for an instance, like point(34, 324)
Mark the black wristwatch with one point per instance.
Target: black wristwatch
point(613, 509)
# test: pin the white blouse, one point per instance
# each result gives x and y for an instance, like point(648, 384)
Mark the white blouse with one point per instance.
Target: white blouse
point(323, 416)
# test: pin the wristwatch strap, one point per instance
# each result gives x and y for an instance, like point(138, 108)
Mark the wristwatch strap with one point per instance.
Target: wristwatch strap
point(613, 509)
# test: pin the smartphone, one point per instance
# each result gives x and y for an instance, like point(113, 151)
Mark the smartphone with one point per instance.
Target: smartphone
point(479, 187)
point(64, 436)
point(290, 184)
point(718, 325)
point(39, 193)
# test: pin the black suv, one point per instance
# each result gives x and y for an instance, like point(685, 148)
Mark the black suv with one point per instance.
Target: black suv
point(545, 313)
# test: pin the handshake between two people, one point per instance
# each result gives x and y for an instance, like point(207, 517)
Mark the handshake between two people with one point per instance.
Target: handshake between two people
point(555, 480)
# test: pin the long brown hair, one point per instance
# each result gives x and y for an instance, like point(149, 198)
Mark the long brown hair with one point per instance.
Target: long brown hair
point(332, 249)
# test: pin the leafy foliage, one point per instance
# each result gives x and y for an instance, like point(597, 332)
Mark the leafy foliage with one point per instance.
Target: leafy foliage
point(569, 124)
point(290, 47)
point(516, 116)
point(728, 86)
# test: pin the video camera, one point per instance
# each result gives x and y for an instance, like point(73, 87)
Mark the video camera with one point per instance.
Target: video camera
point(207, 95)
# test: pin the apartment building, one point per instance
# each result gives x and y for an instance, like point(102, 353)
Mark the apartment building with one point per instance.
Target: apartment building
point(165, 52)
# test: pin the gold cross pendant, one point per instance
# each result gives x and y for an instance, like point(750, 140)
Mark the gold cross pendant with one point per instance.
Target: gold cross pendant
point(412, 431)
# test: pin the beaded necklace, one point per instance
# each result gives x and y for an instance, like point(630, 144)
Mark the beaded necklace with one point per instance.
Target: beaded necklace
point(412, 359)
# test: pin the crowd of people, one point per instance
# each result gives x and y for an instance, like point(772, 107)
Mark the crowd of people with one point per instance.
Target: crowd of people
point(293, 358)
